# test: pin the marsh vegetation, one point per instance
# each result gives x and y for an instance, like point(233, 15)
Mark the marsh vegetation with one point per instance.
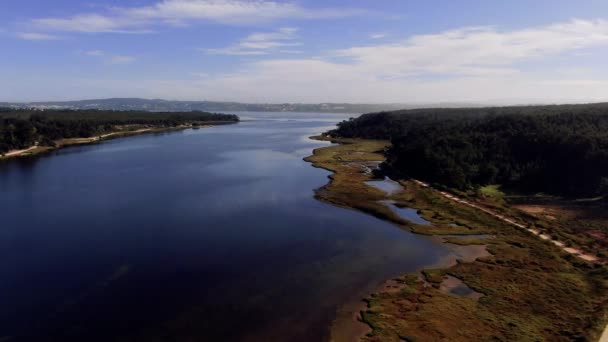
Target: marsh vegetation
point(528, 288)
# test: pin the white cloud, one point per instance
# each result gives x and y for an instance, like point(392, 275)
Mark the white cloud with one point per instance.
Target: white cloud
point(466, 64)
point(110, 58)
point(119, 59)
point(180, 12)
point(94, 53)
point(377, 35)
point(293, 52)
point(260, 43)
point(92, 23)
point(235, 52)
point(37, 36)
point(475, 51)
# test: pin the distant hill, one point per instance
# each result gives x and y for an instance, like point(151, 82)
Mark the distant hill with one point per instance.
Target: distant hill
point(158, 105)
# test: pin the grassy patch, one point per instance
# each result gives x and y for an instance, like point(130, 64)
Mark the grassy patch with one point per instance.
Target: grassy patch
point(491, 191)
point(467, 241)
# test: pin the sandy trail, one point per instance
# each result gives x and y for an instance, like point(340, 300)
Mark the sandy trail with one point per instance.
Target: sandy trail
point(15, 153)
point(18, 152)
point(130, 132)
point(72, 141)
point(574, 251)
point(100, 137)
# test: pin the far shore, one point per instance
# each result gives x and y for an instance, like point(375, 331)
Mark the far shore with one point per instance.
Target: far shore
point(60, 143)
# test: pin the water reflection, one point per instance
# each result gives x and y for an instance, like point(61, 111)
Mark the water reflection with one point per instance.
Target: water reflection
point(406, 213)
point(387, 185)
point(210, 234)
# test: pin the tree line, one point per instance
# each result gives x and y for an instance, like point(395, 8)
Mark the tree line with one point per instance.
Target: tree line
point(559, 150)
point(22, 128)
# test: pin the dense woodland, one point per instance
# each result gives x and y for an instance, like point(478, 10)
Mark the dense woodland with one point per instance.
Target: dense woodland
point(559, 150)
point(23, 128)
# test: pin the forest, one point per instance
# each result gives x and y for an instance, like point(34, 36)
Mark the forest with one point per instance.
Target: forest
point(558, 149)
point(22, 128)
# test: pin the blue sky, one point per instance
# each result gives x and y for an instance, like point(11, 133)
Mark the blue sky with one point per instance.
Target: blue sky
point(305, 51)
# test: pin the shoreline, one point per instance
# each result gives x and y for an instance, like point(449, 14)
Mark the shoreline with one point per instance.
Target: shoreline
point(348, 326)
point(67, 142)
point(16, 153)
point(346, 189)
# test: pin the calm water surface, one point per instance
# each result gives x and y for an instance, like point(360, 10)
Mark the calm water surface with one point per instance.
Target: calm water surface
point(196, 235)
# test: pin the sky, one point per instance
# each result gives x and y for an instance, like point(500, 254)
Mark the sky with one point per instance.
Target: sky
point(374, 51)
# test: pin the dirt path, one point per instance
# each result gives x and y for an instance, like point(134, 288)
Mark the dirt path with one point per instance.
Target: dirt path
point(574, 251)
point(71, 141)
point(604, 337)
point(129, 132)
point(19, 152)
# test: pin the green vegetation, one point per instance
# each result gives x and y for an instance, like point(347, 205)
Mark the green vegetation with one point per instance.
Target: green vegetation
point(532, 291)
point(491, 191)
point(20, 129)
point(559, 150)
point(579, 223)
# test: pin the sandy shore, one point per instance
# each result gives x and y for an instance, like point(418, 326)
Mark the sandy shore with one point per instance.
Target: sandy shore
point(143, 130)
point(604, 337)
point(77, 141)
point(64, 142)
point(15, 153)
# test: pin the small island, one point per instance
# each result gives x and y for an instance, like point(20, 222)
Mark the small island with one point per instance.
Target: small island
point(31, 131)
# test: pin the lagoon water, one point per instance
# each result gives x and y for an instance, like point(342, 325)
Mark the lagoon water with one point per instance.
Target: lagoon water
point(195, 235)
point(409, 214)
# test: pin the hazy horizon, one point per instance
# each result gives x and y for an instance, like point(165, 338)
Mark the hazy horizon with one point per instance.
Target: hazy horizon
point(513, 102)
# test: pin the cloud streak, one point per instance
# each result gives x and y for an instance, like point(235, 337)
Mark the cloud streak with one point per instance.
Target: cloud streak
point(464, 64)
point(475, 51)
point(182, 12)
point(260, 43)
point(531, 64)
point(110, 58)
point(37, 36)
point(377, 35)
point(121, 59)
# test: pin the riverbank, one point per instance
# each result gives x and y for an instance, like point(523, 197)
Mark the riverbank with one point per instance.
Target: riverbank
point(527, 289)
point(61, 143)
